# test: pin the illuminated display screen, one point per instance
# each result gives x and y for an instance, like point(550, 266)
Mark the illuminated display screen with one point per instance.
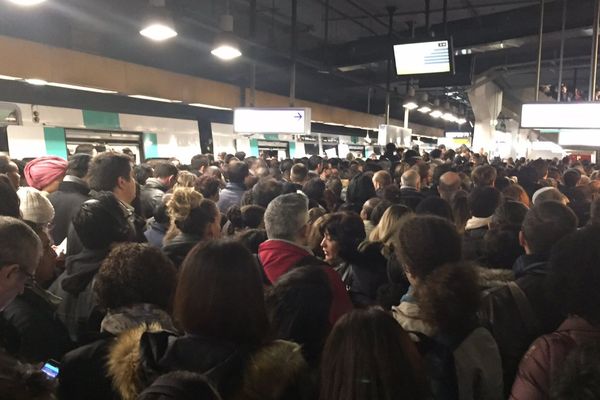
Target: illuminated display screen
point(423, 58)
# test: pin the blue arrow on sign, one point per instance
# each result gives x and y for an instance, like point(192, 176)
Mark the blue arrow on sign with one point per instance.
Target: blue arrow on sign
point(298, 116)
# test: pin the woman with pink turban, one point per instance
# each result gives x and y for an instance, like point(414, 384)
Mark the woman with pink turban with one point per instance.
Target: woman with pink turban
point(45, 173)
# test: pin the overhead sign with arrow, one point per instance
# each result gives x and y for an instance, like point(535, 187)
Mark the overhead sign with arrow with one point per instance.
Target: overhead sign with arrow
point(272, 120)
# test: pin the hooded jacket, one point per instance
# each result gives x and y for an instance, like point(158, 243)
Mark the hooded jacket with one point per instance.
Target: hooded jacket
point(546, 356)
point(230, 196)
point(74, 286)
point(279, 256)
point(138, 357)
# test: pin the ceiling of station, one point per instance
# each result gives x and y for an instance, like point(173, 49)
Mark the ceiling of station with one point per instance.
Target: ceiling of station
point(333, 36)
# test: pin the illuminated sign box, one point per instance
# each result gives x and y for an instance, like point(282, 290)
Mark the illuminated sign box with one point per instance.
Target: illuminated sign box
point(271, 120)
point(423, 58)
point(561, 115)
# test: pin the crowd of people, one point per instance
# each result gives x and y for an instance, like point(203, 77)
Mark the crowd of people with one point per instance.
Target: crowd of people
point(444, 275)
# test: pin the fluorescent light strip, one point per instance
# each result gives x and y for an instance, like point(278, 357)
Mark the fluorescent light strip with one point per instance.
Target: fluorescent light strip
point(143, 97)
point(27, 3)
point(83, 88)
point(158, 32)
point(210, 106)
point(10, 78)
point(36, 82)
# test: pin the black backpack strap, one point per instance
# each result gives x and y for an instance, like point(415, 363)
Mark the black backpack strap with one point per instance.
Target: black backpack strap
point(530, 320)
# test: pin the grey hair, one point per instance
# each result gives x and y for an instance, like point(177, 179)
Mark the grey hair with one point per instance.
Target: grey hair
point(18, 242)
point(410, 178)
point(285, 215)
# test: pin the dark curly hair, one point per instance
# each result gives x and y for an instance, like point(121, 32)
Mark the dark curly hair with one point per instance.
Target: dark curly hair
point(135, 273)
point(425, 242)
point(207, 185)
point(348, 230)
point(449, 298)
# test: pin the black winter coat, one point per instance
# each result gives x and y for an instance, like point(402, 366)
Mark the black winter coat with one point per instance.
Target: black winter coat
point(151, 195)
point(66, 202)
point(30, 330)
point(179, 247)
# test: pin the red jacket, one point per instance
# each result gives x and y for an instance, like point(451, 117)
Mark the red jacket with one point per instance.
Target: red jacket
point(546, 356)
point(278, 257)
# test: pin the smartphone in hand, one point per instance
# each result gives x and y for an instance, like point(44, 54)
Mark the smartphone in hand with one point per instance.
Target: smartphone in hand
point(51, 369)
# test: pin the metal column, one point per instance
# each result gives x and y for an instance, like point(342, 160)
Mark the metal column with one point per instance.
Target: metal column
point(391, 11)
point(562, 50)
point(540, 43)
point(594, 61)
point(294, 50)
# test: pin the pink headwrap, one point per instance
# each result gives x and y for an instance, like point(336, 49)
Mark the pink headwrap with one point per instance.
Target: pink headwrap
point(42, 171)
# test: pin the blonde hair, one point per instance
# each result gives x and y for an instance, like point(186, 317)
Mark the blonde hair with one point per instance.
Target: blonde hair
point(185, 179)
point(179, 206)
point(388, 225)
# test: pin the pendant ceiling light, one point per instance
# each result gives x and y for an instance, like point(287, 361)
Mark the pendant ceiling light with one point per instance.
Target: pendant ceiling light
point(226, 47)
point(158, 25)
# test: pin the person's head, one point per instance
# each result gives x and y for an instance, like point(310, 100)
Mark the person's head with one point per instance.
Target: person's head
point(381, 179)
point(544, 225)
point(335, 185)
point(11, 170)
point(549, 194)
point(252, 239)
point(412, 179)
point(219, 294)
point(459, 201)
point(265, 190)
point(141, 173)
point(133, 274)
point(378, 211)
point(509, 214)
point(388, 224)
point(20, 252)
point(483, 201)
point(501, 246)
point(9, 206)
point(299, 173)
point(245, 217)
point(435, 153)
point(100, 222)
point(79, 165)
point(369, 356)
point(166, 173)
point(237, 172)
point(180, 385)
point(112, 172)
point(516, 192)
point(425, 242)
point(368, 207)
point(315, 163)
point(571, 177)
point(35, 207)
point(574, 276)
point(360, 189)
point(240, 155)
point(208, 186)
point(298, 308)
point(200, 162)
point(449, 184)
point(46, 173)
point(286, 218)
point(342, 233)
point(194, 215)
point(484, 175)
point(449, 298)
point(183, 179)
point(314, 189)
point(435, 206)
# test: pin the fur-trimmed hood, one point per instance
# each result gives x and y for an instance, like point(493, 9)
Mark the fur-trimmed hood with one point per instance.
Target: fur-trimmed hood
point(491, 278)
point(124, 361)
point(139, 355)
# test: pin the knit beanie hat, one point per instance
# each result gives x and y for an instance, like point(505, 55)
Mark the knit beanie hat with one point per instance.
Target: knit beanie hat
point(35, 207)
point(42, 171)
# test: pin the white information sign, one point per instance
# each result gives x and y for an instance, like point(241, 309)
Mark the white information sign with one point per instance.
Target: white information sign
point(561, 115)
point(271, 120)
